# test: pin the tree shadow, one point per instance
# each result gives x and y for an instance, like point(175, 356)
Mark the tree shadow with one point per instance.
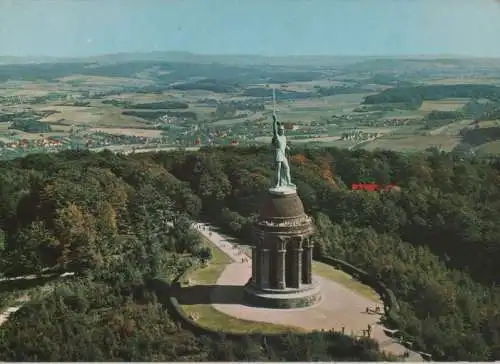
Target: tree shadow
point(197, 294)
point(209, 294)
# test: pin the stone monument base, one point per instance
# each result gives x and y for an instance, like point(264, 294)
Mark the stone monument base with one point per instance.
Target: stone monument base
point(305, 296)
point(283, 190)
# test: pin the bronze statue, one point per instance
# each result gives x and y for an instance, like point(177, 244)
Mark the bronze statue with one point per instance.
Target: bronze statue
point(283, 177)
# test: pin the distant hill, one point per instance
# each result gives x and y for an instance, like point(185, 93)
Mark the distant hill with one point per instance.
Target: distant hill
point(187, 57)
point(226, 59)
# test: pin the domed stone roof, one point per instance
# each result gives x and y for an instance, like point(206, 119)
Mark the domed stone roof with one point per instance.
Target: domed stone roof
point(283, 214)
point(286, 206)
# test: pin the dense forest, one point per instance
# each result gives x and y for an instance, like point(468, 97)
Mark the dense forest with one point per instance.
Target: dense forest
point(31, 126)
point(159, 105)
point(122, 224)
point(153, 115)
point(207, 85)
point(416, 95)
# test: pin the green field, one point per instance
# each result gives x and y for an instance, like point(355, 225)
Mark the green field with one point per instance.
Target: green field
point(413, 143)
point(489, 148)
point(443, 105)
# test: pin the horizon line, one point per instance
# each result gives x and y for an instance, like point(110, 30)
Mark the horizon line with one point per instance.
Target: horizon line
point(407, 55)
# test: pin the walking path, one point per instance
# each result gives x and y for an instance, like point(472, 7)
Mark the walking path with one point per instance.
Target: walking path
point(21, 301)
point(339, 309)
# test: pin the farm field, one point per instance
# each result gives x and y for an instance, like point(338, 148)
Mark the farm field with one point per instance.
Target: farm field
point(460, 80)
point(104, 80)
point(443, 105)
point(451, 129)
point(404, 114)
point(327, 139)
point(489, 148)
point(314, 109)
point(72, 114)
point(103, 116)
point(412, 143)
point(489, 124)
point(148, 133)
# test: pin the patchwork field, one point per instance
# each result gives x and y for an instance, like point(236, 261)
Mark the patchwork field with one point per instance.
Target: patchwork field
point(148, 133)
point(459, 81)
point(443, 105)
point(451, 129)
point(317, 108)
point(405, 114)
point(73, 114)
point(304, 86)
point(105, 80)
point(489, 148)
point(317, 140)
point(105, 116)
point(489, 123)
point(405, 143)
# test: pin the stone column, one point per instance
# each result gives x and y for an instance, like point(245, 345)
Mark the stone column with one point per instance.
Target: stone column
point(280, 264)
point(297, 265)
point(264, 268)
point(307, 261)
point(254, 264)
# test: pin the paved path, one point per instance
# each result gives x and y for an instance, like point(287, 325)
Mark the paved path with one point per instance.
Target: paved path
point(339, 308)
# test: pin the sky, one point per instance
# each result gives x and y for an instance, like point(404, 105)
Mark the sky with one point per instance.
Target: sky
point(73, 28)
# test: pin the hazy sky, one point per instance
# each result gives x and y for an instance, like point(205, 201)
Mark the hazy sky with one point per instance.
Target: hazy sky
point(271, 27)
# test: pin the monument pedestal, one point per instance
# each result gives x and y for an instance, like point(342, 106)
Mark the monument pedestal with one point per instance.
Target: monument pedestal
point(305, 296)
point(282, 270)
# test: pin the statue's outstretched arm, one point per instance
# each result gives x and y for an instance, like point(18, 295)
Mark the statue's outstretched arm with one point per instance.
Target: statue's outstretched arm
point(275, 125)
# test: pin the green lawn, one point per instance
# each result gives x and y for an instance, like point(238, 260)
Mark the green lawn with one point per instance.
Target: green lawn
point(210, 273)
point(216, 320)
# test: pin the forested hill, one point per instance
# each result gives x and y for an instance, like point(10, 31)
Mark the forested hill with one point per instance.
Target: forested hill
point(417, 94)
point(434, 242)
